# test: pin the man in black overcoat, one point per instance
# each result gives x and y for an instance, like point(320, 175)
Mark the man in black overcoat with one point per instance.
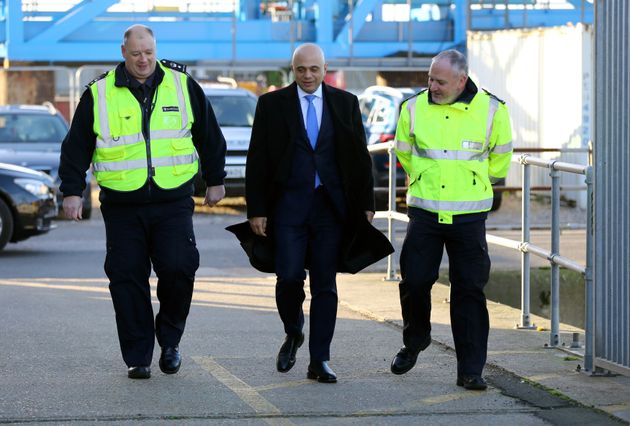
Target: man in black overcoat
point(308, 187)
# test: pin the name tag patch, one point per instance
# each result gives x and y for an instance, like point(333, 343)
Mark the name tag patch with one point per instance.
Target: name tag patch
point(170, 109)
point(472, 145)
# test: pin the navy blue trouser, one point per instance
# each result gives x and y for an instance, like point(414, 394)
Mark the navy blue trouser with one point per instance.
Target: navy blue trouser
point(469, 269)
point(315, 242)
point(138, 236)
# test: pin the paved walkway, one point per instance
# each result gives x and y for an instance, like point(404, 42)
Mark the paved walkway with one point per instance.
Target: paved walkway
point(521, 352)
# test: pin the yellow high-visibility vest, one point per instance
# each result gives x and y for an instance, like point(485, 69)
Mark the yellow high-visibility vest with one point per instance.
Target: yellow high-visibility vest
point(452, 153)
point(123, 160)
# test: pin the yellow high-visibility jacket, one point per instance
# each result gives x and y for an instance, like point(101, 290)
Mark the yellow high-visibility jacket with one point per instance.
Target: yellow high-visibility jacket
point(123, 160)
point(452, 153)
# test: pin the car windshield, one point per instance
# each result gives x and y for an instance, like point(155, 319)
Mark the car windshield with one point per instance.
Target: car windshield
point(31, 128)
point(233, 111)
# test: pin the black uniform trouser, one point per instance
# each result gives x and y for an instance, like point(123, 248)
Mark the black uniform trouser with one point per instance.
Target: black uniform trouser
point(316, 242)
point(469, 268)
point(138, 236)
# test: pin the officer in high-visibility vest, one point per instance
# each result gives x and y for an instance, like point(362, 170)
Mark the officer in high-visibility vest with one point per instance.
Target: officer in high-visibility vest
point(146, 128)
point(453, 141)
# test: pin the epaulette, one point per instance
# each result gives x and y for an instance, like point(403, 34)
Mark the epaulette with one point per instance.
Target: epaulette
point(411, 97)
point(494, 96)
point(173, 65)
point(96, 79)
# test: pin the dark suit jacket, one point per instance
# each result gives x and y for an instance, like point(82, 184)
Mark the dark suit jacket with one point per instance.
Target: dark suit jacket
point(277, 125)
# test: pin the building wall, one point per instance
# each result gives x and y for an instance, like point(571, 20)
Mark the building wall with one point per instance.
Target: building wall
point(544, 75)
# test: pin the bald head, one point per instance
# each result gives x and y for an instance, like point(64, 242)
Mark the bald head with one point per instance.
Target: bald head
point(138, 49)
point(309, 66)
point(138, 31)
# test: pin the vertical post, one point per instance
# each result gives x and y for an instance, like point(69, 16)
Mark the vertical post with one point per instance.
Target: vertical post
point(525, 236)
point(554, 336)
point(391, 268)
point(350, 31)
point(459, 22)
point(233, 29)
point(72, 106)
point(409, 36)
point(589, 336)
point(291, 26)
point(506, 16)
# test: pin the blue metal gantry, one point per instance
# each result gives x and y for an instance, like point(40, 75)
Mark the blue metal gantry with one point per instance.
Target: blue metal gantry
point(247, 32)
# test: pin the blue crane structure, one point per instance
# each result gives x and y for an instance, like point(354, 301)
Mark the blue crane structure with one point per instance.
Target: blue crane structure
point(247, 32)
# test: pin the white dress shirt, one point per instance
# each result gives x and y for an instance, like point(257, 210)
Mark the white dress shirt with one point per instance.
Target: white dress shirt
point(317, 103)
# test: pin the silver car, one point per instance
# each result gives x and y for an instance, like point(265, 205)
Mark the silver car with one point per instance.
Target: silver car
point(234, 108)
point(31, 136)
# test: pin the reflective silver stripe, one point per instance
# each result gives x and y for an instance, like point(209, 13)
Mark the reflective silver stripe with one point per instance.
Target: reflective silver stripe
point(119, 141)
point(502, 149)
point(446, 154)
point(494, 179)
point(403, 146)
point(452, 206)
point(119, 166)
point(411, 107)
point(174, 161)
point(138, 137)
point(170, 134)
point(492, 109)
point(103, 118)
point(180, 98)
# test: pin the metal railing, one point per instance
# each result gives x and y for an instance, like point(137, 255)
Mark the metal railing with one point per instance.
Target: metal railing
point(526, 248)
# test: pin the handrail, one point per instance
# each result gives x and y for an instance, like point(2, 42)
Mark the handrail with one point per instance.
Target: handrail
point(524, 245)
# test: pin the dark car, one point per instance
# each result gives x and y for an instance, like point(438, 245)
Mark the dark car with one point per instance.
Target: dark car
point(234, 108)
point(31, 136)
point(27, 203)
point(380, 108)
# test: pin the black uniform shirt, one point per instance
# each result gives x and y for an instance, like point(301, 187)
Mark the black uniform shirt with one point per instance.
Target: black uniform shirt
point(79, 144)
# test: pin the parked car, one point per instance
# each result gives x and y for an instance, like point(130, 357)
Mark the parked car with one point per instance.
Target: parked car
point(27, 203)
point(234, 108)
point(380, 108)
point(31, 136)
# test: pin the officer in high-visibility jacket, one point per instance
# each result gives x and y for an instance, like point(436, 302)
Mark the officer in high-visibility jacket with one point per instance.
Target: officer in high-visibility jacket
point(146, 128)
point(453, 141)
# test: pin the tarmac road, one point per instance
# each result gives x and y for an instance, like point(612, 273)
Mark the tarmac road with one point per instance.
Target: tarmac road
point(61, 363)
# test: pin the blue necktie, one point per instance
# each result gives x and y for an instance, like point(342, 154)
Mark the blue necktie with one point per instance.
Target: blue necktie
point(312, 130)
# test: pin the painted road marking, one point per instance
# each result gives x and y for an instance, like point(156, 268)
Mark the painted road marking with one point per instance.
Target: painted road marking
point(245, 392)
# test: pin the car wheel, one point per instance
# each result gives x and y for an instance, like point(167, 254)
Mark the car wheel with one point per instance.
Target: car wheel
point(86, 212)
point(6, 224)
point(497, 195)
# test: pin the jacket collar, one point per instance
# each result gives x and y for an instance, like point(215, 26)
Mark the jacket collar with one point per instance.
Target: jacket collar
point(124, 79)
point(466, 97)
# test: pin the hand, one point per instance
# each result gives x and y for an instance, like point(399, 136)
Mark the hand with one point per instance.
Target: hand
point(214, 194)
point(259, 225)
point(73, 207)
point(370, 215)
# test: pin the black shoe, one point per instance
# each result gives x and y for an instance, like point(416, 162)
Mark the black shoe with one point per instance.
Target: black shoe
point(139, 372)
point(286, 357)
point(170, 360)
point(471, 382)
point(320, 371)
point(406, 358)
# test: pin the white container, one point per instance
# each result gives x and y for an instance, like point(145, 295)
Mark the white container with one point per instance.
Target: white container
point(545, 77)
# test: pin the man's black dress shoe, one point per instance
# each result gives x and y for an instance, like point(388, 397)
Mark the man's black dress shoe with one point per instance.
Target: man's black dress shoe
point(139, 372)
point(471, 382)
point(320, 371)
point(286, 357)
point(170, 360)
point(406, 358)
